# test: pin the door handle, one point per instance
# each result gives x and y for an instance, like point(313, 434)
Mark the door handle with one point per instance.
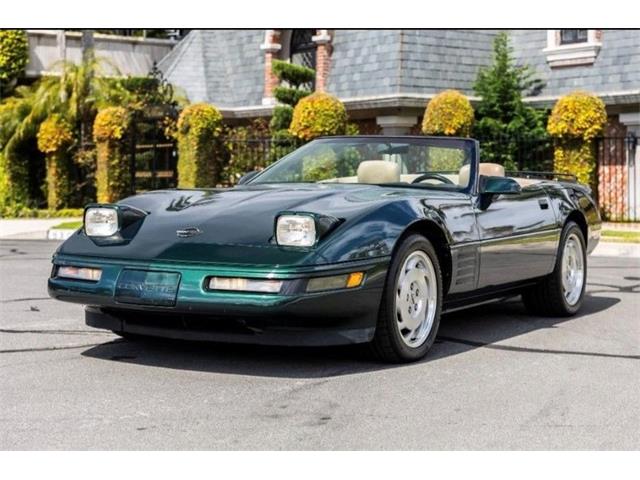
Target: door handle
point(543, 204)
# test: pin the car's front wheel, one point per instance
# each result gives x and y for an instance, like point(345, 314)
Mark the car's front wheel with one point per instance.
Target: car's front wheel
point(410, 310)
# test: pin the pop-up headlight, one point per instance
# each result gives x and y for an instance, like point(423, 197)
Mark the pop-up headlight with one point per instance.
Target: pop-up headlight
point(100, 221)
point(296, 230)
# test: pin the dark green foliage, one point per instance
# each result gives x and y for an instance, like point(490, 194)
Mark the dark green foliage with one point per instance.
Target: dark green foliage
point(289, 93)
point(281, 119)
point(290, 96)
point(14, 55)
point(501, 116)
point(294, 75)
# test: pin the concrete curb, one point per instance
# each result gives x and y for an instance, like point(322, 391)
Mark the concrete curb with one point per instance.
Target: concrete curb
point(59, 233)
point(617, 249)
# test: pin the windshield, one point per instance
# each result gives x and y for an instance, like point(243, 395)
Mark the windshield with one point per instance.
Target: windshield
point(428, 162)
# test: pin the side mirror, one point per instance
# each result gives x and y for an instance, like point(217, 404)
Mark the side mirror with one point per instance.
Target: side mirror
point(499, 185)
point(247, 176)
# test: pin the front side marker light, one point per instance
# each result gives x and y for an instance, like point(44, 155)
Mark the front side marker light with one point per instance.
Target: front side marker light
point(80, 273)
point(335, 282)
point(100, 221)
point(250, 285)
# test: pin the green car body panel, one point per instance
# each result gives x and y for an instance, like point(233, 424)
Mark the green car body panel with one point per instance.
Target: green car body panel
point(485, 249)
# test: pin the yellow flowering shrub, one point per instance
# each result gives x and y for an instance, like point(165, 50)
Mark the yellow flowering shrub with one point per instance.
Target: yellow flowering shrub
point(200, 160)
point(317, 115)
point(448, 113)
point(113, 167)
point(575, 121)
point(55, 137)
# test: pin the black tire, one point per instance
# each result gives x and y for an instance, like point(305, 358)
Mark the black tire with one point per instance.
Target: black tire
point(387, 344)
point(547, 297)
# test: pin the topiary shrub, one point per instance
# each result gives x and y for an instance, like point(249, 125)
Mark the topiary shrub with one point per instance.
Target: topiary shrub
point(448, 113)
point(575, 121)
point(14, 55)
point(55, 138)
point(318, 114)
point(113, 168)
point(200, 163)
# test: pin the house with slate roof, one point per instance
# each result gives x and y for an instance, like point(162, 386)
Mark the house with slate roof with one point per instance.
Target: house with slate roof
point(386, 77)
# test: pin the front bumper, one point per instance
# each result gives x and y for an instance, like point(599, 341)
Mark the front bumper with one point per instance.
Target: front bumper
point(292, 317)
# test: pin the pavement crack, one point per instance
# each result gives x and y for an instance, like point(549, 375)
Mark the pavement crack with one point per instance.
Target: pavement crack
point(55, 332)
point(48, 349)
point(26, 299)
point(511, 348)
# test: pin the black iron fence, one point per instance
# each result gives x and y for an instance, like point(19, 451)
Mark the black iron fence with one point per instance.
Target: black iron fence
point(618, 178)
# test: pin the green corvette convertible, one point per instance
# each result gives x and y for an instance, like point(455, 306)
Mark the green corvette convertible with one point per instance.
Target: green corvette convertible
point(359, 239)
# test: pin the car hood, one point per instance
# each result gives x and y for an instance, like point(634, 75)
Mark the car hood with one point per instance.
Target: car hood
point(235, 225)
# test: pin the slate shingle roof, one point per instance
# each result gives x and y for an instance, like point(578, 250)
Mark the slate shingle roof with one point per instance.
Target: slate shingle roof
point(616, 68)
point(226, 67)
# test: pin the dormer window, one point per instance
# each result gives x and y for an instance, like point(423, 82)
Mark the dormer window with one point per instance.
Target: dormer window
point(569, 37)
point(569, 48)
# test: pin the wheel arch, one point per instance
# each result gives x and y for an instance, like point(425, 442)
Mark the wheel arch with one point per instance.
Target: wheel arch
point(438, 238)
point(578, 217)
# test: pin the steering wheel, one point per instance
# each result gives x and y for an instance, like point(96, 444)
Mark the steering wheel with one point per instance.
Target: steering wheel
point(432, 176)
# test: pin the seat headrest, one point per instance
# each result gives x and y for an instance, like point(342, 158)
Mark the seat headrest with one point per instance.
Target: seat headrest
point(487, 169)
point(378, 171)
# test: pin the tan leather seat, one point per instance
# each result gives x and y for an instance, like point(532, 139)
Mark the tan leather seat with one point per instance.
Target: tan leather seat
point(488, 169)
point(378, 171)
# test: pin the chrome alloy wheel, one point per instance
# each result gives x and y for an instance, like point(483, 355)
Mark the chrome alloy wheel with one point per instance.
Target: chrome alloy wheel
point(572, 269)
point(416, 299)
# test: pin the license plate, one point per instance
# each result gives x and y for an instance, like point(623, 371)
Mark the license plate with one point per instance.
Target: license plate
point(148, 288)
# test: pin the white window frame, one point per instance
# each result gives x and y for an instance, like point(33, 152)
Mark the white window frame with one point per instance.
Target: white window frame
point(572, 54)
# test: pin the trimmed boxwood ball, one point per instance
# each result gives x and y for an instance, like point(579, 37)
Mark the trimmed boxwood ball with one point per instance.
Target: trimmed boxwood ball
point(318, 114)
point(113, 170)
point(55, 138)
point(198, 130)
point(448, 113)
point(575, 121)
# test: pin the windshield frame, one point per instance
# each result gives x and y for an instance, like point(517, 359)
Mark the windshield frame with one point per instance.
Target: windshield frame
point(451, 142)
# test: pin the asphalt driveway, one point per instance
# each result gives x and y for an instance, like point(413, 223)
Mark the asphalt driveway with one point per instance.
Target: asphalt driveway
point(497, 378)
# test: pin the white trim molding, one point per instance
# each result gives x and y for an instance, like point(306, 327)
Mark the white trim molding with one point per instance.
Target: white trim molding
point(269, 45)
point(582, 53)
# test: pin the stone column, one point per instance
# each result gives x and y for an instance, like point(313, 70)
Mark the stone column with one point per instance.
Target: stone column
point(323, 58)
point(396, 124)
point(270, 47)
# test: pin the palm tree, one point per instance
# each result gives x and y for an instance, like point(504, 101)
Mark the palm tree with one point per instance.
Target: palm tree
point(76, 95)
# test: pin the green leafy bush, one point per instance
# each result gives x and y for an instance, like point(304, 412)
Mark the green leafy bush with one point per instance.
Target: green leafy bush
point(575, 121)
point(291, 90)
point(318, 114)
point(282, 115)
point(14, 55)
point(200, 163)
point(113, 169)
point(448, 113)
point(295, 75)
point(55, 137)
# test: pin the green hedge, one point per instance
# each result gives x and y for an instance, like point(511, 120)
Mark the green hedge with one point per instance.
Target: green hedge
point(113, 168)
point(55, 137)
point(318, 114)
point(200, 163)
point(575, 121)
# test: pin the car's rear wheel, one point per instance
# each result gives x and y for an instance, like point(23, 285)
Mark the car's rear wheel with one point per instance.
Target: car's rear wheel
point(410, 310)
point(561, 293)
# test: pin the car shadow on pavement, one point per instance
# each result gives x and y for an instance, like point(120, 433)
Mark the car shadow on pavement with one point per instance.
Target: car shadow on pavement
point(481, 327)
